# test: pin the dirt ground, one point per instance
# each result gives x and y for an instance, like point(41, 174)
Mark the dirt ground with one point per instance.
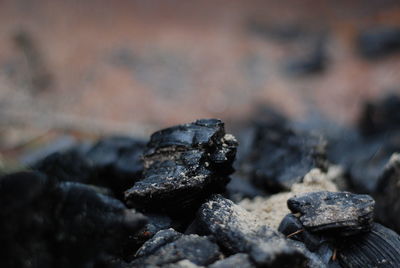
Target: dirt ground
point(99, 67)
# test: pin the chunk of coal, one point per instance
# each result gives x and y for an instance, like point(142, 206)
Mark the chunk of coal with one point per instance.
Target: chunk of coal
point(313, 62)
point(183, 165)
point(113, 162)
point(378, 42)
point(340, 212)
point(238, 231)
point(159, 240)
point(387, 194)
point(238, 260)
point(156, 223)
point(378, 248)
point(282, 156)
point(66, 166)
point(380, 117)
point(239, 188)
point(168, 247)
point(49, 224)
point(118, 161)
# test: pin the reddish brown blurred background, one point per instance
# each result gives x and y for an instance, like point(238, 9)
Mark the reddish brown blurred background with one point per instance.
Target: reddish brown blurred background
point(97, 67)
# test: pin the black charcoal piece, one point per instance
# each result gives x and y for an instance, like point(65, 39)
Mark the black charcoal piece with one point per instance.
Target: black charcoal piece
point(168, 247)
point(237, 231)
point(340, 212)
point(241, 260)
point(282, 156)
point(67, 166)
point(159, 240)
point(378, 248)
point(118, 161)
point(380, 41)
point(183, 165)
point(49, 224)
point(387, 194)
point(381, 116)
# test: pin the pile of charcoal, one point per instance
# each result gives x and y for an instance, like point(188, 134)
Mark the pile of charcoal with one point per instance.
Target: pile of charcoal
point(297, 198)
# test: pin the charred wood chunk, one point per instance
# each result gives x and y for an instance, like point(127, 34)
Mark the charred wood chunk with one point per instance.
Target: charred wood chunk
point(340, 212)
point(238, 231)
point(51, 224)
point(387, 194)
point(378, 248)
point(183, 165)
point(169, 246)
point(66, 166)
point(378, 42)
point(381, 116)
point(282, 156)
point(118, 162)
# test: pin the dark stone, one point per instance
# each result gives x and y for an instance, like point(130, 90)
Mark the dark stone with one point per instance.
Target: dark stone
point(342, 213)
point(378, 248)
point(183, 165)
point(378, 42)
point(49, 224)
point(67, 166)
point(237, 231)
point(380, 117)
point(168, 247)
point(118, 162)
point(281, 156)
point(313, 62)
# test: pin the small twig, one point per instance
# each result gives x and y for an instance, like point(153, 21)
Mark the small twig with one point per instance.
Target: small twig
point(334, 254)
point(295, 233)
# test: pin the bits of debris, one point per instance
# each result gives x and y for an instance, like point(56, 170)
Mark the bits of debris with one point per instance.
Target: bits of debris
point(183, 165)
point(271, 210)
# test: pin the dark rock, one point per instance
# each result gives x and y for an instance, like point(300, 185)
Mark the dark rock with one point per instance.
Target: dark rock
point(241, 260)
point(49, 224)
point(183, 165)
point(378, 42)
point(313, 62)
point(168, 247)
point(282, 156)
point(387, 194)
point(239, 188)
point(118, 161)
point(380, 117)
point(67, 166)
point(237, 231)
point(378, 248)
point(342, 213)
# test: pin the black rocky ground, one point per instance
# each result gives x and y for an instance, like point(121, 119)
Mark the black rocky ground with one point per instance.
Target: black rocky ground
point(168, 202)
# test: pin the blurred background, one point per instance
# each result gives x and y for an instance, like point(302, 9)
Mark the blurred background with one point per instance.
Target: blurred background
point(82, 69)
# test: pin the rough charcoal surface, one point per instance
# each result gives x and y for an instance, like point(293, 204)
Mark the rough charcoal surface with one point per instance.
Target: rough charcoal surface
point(378, 248)
point(340, 212)
point(183, 165)
point(281, 156)
point(169, 246)
point(237, 231)
point(49, 224)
